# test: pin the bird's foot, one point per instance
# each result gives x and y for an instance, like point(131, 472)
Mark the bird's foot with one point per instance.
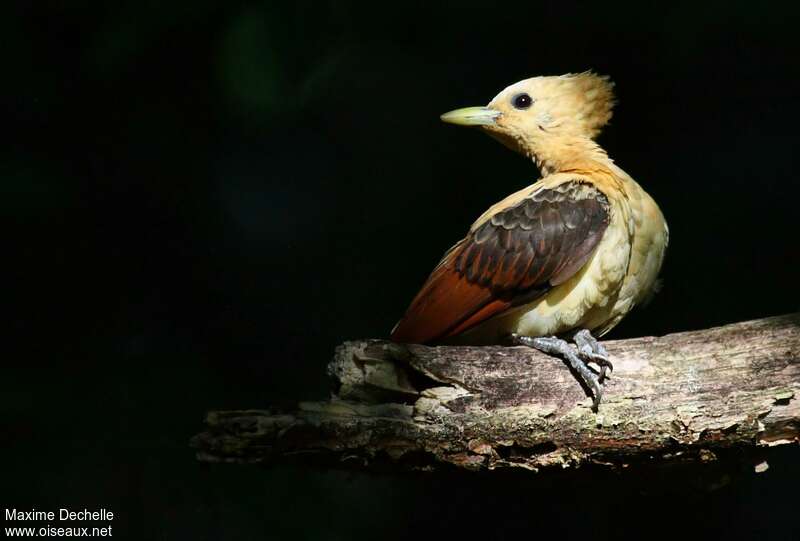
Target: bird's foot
point(577, 359)
point(592, 351)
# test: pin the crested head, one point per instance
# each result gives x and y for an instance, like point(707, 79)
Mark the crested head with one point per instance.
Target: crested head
point(535, 116)
point(572, 104)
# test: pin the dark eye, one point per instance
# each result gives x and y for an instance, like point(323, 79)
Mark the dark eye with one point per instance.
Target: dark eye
point(522, 101)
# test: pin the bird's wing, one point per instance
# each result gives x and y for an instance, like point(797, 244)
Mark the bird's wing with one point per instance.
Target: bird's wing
point(510, 258)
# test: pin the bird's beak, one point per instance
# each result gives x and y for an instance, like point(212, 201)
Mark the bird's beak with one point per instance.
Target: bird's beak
point(472, 116)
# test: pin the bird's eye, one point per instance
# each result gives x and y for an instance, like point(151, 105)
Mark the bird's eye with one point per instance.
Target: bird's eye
point(522, 101)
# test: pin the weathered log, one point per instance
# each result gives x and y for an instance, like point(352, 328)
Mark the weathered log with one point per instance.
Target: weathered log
point(685, 396)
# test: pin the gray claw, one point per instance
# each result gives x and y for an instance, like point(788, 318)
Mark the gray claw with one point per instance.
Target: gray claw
point(556, 346)
point(591, 350)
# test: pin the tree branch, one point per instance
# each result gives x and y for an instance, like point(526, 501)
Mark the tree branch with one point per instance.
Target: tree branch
point(685, 396)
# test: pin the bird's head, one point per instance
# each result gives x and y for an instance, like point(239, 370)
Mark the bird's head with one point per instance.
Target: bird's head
point(529, 114)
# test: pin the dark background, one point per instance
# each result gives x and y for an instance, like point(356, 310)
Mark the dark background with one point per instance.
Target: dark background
point(204, 198)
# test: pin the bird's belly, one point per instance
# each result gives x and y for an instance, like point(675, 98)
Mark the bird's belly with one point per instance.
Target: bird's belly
point(647, 255)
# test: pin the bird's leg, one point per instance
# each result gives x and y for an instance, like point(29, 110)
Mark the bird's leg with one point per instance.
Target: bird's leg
point(591, 350)
point(553, 345)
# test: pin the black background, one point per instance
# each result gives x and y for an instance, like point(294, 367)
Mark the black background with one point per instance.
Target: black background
point(204, 198)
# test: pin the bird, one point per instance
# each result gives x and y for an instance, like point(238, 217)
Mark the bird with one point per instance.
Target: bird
point(564, 259)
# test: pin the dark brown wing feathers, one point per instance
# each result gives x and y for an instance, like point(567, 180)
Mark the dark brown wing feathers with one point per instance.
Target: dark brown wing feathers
point(513, 258)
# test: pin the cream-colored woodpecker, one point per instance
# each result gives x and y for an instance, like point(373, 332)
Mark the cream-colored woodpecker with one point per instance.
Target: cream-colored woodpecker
point(567, 257)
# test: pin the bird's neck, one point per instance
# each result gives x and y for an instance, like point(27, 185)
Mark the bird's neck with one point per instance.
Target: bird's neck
point(555, 154)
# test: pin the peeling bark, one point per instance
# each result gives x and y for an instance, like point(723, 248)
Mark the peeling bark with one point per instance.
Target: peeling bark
point(687, 396)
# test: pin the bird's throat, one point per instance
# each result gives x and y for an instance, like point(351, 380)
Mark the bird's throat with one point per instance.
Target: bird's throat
point(554, 154)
